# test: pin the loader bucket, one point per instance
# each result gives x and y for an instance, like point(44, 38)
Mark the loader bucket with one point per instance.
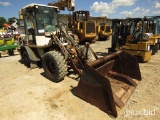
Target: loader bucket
point(108, 82)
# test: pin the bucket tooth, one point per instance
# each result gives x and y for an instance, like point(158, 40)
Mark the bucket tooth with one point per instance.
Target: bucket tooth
point(108, 82)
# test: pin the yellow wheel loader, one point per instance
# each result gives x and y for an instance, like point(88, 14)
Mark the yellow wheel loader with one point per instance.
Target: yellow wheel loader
point(105, 82)
point(129, 35)
point(81, 27)
point(103, 30)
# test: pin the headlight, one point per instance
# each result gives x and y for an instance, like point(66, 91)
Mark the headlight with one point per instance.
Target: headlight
point(148, 47)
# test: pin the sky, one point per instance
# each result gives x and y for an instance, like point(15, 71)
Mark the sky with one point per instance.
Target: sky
point(108, 8)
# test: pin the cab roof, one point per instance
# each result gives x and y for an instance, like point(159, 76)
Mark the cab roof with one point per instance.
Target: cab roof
point(35, 4)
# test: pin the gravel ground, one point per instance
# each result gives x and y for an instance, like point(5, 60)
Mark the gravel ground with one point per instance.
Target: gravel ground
point(27, 95)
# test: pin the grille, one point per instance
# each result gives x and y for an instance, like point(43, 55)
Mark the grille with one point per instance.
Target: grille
point(81, 25)
point(90, 27)
point(108, 28)
point(102, 28)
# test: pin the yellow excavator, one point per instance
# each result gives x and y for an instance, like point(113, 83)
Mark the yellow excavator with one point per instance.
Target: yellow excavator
point(105, 82)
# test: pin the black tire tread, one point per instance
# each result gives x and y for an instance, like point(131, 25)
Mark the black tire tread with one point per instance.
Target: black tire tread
point(26, 55)
point(59, 63)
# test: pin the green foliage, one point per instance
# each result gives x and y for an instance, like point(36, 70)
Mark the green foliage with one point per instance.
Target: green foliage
point(2, 21)
point(10, 20)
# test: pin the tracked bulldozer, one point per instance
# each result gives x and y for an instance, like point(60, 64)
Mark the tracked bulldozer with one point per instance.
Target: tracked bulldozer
point(105, 82)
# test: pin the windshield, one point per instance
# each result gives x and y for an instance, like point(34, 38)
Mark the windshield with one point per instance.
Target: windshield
point(157, 28)
point(82, 16)
point(46, 18)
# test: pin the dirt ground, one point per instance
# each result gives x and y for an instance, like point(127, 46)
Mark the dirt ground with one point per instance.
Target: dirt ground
point(27, 95)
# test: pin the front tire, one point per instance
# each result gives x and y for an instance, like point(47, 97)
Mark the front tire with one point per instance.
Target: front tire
point(54, 66)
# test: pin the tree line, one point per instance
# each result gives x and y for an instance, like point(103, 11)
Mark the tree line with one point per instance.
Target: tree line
point(9, 21)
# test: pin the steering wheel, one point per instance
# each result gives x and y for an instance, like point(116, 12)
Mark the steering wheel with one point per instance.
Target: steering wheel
point(136, 34)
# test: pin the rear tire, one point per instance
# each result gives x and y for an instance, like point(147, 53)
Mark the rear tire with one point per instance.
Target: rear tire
point(10, 52)
point(26, 59)
point(54, 66)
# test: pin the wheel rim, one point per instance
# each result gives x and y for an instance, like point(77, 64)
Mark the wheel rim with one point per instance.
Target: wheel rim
point(50, 66)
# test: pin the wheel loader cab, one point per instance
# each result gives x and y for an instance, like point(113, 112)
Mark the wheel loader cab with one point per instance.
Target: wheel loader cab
point(39, 22)
point(81, 15)
point(76, 17)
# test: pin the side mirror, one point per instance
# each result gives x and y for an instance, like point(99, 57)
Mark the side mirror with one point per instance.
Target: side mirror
point(24, 12)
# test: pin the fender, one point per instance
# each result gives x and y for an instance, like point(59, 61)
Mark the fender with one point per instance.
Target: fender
point(31, 53)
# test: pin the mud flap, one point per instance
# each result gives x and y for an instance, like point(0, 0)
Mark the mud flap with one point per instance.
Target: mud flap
point(108, 82)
